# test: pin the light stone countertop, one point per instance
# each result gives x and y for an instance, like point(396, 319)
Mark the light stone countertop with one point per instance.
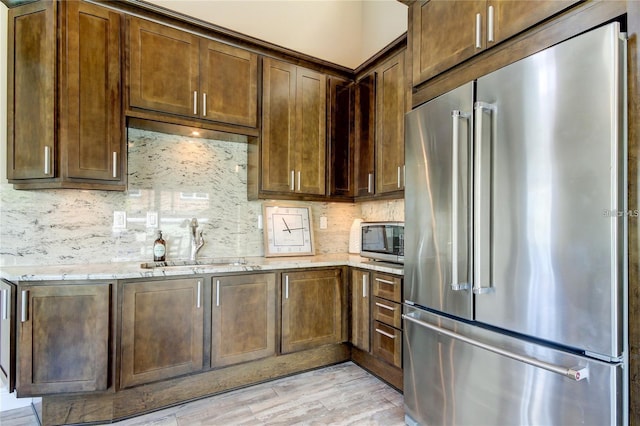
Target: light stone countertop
point(129, 270)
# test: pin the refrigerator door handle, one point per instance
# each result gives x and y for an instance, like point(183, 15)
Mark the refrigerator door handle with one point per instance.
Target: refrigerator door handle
point(574, 373)
point(456, 116)
point(481, 202)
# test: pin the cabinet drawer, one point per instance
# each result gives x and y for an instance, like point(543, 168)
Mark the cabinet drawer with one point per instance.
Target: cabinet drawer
point(387, 312)
point(387, 343)
point(387, 286)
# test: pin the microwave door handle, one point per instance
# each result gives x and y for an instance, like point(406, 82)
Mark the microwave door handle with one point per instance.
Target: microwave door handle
point(456, 116)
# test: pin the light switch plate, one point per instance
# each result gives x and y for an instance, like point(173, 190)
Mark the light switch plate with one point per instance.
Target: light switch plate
point(152, 219)
point(119, 220)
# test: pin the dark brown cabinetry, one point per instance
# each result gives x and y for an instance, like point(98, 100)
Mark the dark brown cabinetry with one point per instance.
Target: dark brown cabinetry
point(387, 320)
point(8, 335)
point(390, 110)
point(65, 123)
point(360, 309)
point(293, 152)
point(161, 330)
point(312, 304)
point(365, 115)
point(447, 32)
point(341, 131)
point(243, 321)
point(175, 72)
point(63, 338)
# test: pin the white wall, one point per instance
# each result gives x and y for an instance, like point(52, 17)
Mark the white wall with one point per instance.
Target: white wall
point(345, 32)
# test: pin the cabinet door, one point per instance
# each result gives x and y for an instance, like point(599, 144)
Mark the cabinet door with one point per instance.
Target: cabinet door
point(163, 68)
point(243, 321)
point(278, 126)
point(390, 102)
point(162, 330)
point(512, 17)
point(365, 135)
point(340, 125)
point(63, 338)
point(387, 343)
point(30, 91)
point(311, 309)
point(229, 83)
point(444, 34)
point(360, 309)
point(93, 110)
point(311, 124)
point(8, 335)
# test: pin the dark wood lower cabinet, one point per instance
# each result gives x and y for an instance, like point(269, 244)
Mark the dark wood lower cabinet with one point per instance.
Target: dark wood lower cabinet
point(8, 335)
point(63, 338)
point(161, 330)
point(312, 304)
point(243, 318)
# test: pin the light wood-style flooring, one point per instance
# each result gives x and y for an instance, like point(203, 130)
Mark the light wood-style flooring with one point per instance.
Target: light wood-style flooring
point(343, 394)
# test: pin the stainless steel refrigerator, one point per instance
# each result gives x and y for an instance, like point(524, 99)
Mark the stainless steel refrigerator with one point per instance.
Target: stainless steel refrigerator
point(515, 287)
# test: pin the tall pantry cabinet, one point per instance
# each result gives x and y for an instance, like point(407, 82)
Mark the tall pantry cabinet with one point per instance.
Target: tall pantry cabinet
point(65, 122)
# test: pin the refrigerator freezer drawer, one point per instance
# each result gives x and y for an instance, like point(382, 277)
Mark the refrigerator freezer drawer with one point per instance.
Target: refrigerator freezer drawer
point(470, 375)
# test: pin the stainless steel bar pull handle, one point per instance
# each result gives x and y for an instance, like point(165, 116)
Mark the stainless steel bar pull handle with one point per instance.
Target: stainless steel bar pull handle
point(456, 116)
point(115, 164)
point(195, 102)
point(490, 30)
point(478, 31)
point(24, 315)
point(204, 104)
point(293, 180)
point(370, 184)
point(380, 280)
point(384, 333)
point(5, 304)
point(199, 293)
point(364, 286)
point(286, 286)
point(574, 373)
point(217, 292)
point(383, 306)
point(481, 202)
point(399, 179)
point(299, 179)
point(47, 160)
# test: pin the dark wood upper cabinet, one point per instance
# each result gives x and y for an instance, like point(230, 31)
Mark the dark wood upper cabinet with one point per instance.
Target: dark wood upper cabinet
point(161, 330)
point(63, 338)
point(243, 318)
point(447, 32)
point(175, 72)
point(293, 153)
point(312, 309)
point(390, 110)
point(365, 112)
point(341, 136)
point(65, 122)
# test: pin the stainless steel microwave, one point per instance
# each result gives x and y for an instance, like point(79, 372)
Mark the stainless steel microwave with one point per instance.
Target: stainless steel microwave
point(382, 241)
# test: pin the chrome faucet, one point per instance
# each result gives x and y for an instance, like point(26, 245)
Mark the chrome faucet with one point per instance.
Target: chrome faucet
point(197, 241)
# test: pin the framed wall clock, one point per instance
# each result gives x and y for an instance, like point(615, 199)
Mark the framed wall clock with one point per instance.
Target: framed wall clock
point(287, 230)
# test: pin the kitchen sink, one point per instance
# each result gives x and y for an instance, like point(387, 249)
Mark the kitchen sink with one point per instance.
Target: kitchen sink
point(192, 263)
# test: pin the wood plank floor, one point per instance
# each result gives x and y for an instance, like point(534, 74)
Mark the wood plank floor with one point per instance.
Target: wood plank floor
point(343, 394)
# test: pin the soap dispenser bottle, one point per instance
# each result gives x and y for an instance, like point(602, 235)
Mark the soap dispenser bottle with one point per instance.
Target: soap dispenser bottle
point(159, 249)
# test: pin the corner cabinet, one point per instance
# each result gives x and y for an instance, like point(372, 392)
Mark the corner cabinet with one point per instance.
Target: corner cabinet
point(447, 32)
point(293, 152)
point(63, 338)
point(243, 318)
point(312, 309)
point(174, 72)
point(65, 122)
point(340, 138)
point(161, 330)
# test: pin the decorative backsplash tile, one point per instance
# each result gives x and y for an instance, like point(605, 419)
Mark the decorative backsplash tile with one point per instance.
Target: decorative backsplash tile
point(174, 178)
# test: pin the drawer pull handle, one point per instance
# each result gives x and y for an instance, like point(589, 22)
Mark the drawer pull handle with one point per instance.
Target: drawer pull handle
point(384, 333)
point(380, 280)
point(391, 308)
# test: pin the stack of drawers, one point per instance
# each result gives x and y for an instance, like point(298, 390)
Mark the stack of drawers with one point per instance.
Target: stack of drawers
point(387, 318)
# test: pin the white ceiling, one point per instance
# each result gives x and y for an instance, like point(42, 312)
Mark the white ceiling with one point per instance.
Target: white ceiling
point(345, 32)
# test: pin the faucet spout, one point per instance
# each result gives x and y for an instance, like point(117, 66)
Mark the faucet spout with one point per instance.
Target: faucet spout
point(197, 240)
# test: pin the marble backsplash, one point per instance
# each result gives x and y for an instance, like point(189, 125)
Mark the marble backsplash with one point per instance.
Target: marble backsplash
point(175, 178)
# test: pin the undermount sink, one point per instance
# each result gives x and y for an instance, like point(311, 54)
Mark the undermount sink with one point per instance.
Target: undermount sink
point(192, 263)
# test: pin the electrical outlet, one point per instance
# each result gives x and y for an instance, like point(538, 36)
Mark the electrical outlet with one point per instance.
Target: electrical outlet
point(152, 219)
point(119, 220)
point(323, 222)
point(259, 221)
